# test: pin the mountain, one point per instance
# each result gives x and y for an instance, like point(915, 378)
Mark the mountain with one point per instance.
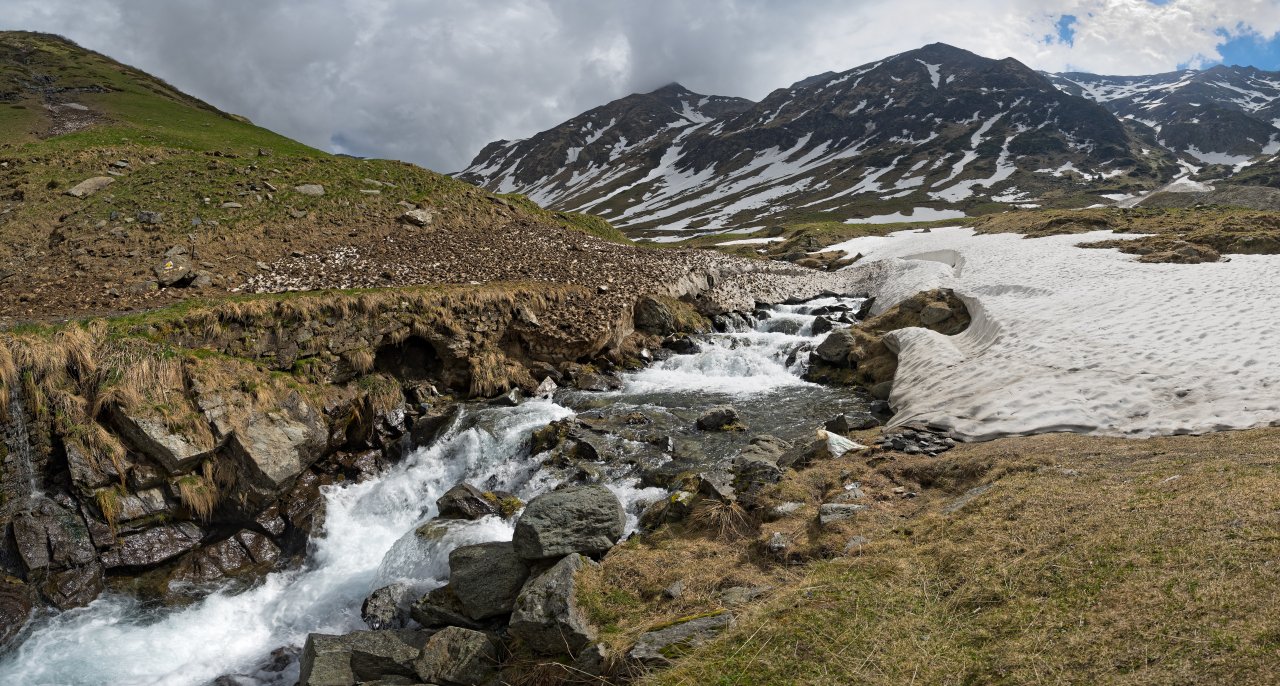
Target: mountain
point(931, 132)
point(1219, 116)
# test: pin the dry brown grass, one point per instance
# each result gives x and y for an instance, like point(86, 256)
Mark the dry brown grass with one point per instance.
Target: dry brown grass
point(361, 360)
point(1089, 560)
point(199, 492)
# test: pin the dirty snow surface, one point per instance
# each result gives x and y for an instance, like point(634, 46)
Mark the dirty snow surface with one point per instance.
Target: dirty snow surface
point(1072, 339)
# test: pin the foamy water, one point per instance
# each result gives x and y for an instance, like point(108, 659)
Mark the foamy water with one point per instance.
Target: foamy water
point(369, 537)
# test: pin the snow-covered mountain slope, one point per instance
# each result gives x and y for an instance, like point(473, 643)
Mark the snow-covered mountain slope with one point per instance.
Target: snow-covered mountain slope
point(1224, 115)
point(938, 128)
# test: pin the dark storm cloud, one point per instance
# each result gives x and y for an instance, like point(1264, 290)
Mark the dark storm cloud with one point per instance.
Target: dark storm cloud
point(431, 81)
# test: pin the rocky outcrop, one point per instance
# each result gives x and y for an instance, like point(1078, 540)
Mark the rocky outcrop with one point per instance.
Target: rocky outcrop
point(458, 657)
point(858, 355)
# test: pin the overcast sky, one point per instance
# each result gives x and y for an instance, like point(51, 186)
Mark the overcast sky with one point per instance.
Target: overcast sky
point(432, 81)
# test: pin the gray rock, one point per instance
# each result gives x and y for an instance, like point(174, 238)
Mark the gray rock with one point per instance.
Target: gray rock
point(934, 313)
point(153, 546)
point(583, 519)
point(674, 591)
point(830, 513)
point(275, 446)
point(52, 536)
point(656, 649)
point(360, 656)
point(149, 217)
point(465, 501)
point(313, 189)
point(741, 595)
point(654, 317)
point(172, 271)
point(17, 601)
point(441, 608)
point(718, 418)
point(486, 578)
point(231, 206)
point(597, 382)
point(820, 326)
point(836, 348)
point(152, 437)
point(387, 607)
point(419, 218)
point(90, 186)
point(458, 657)
point(546, 617)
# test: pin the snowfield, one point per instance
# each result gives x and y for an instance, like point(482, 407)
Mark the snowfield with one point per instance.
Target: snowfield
point(1073, 339)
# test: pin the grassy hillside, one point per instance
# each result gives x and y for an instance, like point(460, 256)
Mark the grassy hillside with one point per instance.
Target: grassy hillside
point(186, 176)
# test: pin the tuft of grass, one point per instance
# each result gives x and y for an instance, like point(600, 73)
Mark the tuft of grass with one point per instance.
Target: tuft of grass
point(108, 501)
point(199, 492)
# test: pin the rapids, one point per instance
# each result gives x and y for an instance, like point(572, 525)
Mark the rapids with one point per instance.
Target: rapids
point(369, 535)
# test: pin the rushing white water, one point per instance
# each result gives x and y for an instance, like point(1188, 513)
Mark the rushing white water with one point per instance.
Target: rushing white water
point(754, 359)
point(113, 641)
point(370, 540)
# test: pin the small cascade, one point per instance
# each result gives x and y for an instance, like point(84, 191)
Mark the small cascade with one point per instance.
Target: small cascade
point(17, 438)
point(371, 534)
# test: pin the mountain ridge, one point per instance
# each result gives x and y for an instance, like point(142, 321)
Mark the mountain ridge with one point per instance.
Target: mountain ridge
point(858, 145)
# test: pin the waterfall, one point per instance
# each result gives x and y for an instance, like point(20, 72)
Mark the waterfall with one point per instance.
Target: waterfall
point(18, 442)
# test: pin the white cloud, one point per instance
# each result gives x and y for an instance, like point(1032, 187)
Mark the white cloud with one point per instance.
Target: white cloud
point(431, 81)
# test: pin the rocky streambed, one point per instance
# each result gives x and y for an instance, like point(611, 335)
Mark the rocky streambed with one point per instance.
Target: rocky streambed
point(702, 402)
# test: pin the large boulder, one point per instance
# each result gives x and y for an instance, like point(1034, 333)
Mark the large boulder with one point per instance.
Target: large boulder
point(441, 608)
point(583, 519)
point(151, 436)
point(654, 317)
point(656, 649)
point(387, 607)
point(465, 501)
point(360, 656)
point(486, 578)
point(274, 447)
point(837, 348)
point(245, 552)
point(546, 617)
point(458, 657)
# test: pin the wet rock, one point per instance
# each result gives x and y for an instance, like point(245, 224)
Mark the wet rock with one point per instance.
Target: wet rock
point(90, 186)
point(820, 326)
point(719, 418)
point(151, 436)
point(52, 536)
point(387, 607)
point(86, 473)
point(465, 501)
point(458, 657)
point(313, 189)
point(584, 519)
point(75, 587)
point(245, 552)
point(546, 389)
point(657, 649)
point(845, 423)
point(153, 546)
point(486, 578)
point(681, 344)
point(546, 617)
point(17, 601)
point(511, 398)
point(428, 428)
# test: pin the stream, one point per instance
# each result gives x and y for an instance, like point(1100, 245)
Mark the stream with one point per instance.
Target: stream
point(370, 535)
